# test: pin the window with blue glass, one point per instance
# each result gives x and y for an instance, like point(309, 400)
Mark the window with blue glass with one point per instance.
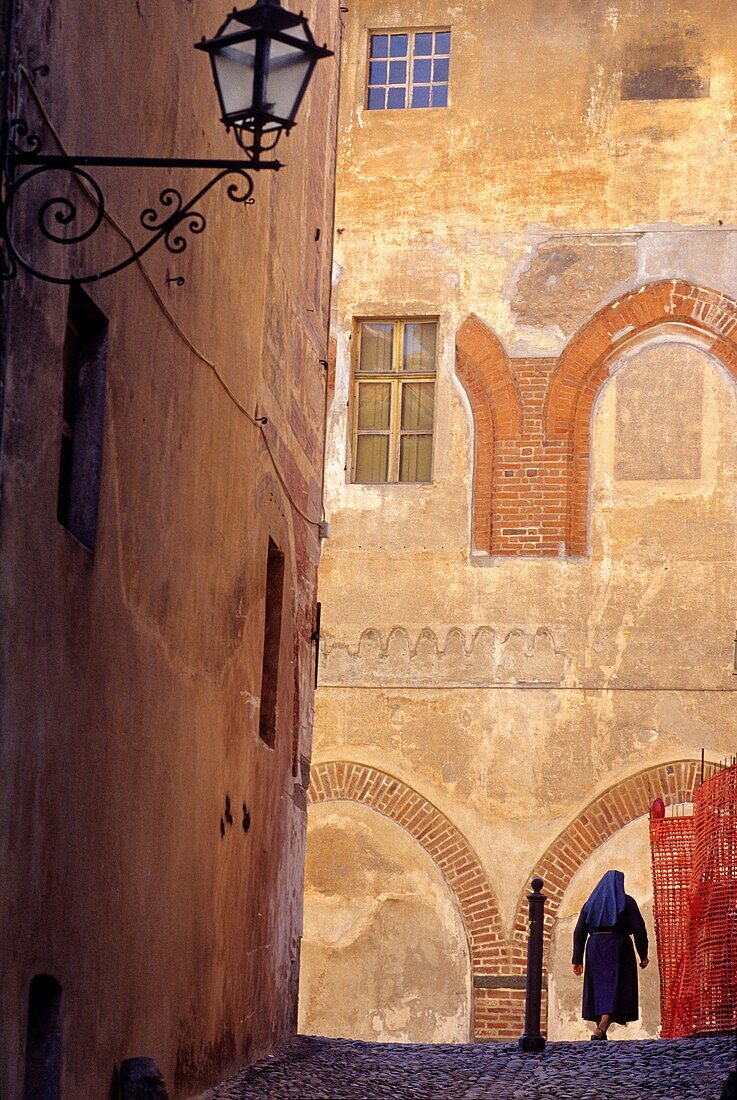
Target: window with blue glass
point(408, 69)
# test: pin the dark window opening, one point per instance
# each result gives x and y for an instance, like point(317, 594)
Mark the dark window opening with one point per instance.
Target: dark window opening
point(85, 365)
point(43, 1040)
point(272, 644)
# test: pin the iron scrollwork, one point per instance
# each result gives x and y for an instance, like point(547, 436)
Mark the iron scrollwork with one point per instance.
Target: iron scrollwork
point(60, 221)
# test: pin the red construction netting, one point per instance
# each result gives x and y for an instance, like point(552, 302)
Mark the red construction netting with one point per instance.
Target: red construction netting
point(713, 925)
point(671, 847)
point(695, 902)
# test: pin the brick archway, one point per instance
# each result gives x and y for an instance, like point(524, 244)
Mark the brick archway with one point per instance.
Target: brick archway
point(484, 370)
point(587, 361)
point(456, 860)
point(599, 821)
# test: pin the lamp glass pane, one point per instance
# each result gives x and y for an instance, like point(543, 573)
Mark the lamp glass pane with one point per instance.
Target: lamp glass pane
point(234, 66)
point(287, 71)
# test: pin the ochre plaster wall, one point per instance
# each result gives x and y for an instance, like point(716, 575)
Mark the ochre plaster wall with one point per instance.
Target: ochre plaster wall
point(512, 689)
point(131, 677)
point(369, 884)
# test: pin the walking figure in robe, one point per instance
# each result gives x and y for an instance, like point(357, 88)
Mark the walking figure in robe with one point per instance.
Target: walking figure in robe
point(606, 925)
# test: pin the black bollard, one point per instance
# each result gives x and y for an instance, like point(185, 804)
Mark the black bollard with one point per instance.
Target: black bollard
point(532, 1041)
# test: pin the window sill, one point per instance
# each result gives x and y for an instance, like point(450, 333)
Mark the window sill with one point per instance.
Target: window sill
point(403, 110)
point(389, 484)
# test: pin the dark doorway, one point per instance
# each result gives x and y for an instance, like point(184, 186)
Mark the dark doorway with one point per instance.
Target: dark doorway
point(43, 1040)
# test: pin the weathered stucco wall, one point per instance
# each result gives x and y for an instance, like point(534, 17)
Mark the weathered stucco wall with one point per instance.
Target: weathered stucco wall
point(152, 844)
point(369, 882)
point(586, 152)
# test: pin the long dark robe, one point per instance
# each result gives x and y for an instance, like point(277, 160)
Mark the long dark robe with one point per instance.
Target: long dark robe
point(610, 975)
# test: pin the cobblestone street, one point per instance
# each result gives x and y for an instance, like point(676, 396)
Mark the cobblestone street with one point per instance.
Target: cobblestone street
point(336, 1069)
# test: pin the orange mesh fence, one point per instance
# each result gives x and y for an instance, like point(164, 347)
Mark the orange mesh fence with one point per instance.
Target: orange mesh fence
point(671, 846)
point(713, 925)
point(694, 863)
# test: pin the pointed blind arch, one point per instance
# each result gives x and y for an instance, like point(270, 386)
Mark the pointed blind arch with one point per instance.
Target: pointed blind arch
point(484, 371)
point(588, 360)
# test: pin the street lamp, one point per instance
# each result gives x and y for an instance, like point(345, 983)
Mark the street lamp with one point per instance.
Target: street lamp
point(262, 60)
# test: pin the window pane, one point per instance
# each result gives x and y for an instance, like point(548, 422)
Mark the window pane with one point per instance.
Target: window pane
point(398, 45)
point(376, 347)
point(419, 345)
point(440, 70)
point(397, 98)
point(417, 405)
point(423, 45)
point(379, 45)
point(421, 96)
point(442, 42)
point(372, 458)
point(377, 72)
point(374, 404)
point(440, 95)
point(421, 71)
point(397, 72)
point(377, 99)
point(415, 458)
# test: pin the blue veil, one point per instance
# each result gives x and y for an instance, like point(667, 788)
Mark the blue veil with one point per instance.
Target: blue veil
point(606, 901)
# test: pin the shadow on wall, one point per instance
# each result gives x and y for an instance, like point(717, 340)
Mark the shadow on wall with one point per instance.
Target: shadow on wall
point(628, 851)
point(384, 954)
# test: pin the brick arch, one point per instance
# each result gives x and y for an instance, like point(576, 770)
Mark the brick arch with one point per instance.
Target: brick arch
point(587, 361)
point(484, 370)
point(449, 850)
point(597, 823)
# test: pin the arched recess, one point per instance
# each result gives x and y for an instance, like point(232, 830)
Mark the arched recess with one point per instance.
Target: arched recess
point(628, 849)
point(385, 955)
point(483, 368)
point(447, 847)
point(588, 359)
point(599, 821)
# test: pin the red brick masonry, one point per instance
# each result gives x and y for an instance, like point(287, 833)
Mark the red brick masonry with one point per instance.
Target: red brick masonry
point(532, 417)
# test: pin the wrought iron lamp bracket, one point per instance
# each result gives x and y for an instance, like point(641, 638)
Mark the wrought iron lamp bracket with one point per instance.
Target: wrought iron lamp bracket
point(59, 221)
